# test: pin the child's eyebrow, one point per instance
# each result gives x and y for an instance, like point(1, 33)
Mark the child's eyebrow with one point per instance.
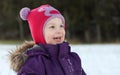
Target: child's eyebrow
point(50, 23)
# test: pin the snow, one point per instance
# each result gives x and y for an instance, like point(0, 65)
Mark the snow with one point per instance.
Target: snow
point(97, 59)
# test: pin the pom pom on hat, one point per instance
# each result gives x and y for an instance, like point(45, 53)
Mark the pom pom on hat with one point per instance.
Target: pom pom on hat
point(24, 12)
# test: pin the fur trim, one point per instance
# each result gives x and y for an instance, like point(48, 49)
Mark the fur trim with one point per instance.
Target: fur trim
point(17, 57)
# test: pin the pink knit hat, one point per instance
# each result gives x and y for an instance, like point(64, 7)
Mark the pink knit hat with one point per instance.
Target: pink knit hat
point(37, 18)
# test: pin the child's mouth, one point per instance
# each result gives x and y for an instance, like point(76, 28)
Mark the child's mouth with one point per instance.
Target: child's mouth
point(58, 39)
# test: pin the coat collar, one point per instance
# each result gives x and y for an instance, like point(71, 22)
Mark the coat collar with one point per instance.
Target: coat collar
point(58, 50)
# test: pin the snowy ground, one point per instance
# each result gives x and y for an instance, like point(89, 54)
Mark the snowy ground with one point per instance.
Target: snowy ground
point(97, 59)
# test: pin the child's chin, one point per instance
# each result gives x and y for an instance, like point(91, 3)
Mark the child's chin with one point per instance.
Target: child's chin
point(59, 42)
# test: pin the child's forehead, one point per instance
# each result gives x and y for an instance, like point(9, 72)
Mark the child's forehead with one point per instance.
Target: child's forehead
point(55, 20)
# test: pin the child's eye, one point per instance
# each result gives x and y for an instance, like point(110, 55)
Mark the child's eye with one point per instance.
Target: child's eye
point(62, 26)
point(52, 27)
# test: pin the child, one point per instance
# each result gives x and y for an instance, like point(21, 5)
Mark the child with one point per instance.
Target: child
point(49, 54)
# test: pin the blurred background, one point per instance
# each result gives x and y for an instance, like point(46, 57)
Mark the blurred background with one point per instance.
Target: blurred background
point(88, 21)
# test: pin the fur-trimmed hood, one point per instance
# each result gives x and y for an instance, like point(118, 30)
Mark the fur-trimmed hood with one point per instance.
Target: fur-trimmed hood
point(18, 57)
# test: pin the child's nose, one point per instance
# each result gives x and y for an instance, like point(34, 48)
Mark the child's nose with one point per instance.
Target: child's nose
point(59, 31)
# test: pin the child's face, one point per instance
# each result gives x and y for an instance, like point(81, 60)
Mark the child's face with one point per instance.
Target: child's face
point(54, 31)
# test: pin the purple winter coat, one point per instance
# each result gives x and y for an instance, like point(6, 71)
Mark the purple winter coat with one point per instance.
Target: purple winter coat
point(51, 60)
